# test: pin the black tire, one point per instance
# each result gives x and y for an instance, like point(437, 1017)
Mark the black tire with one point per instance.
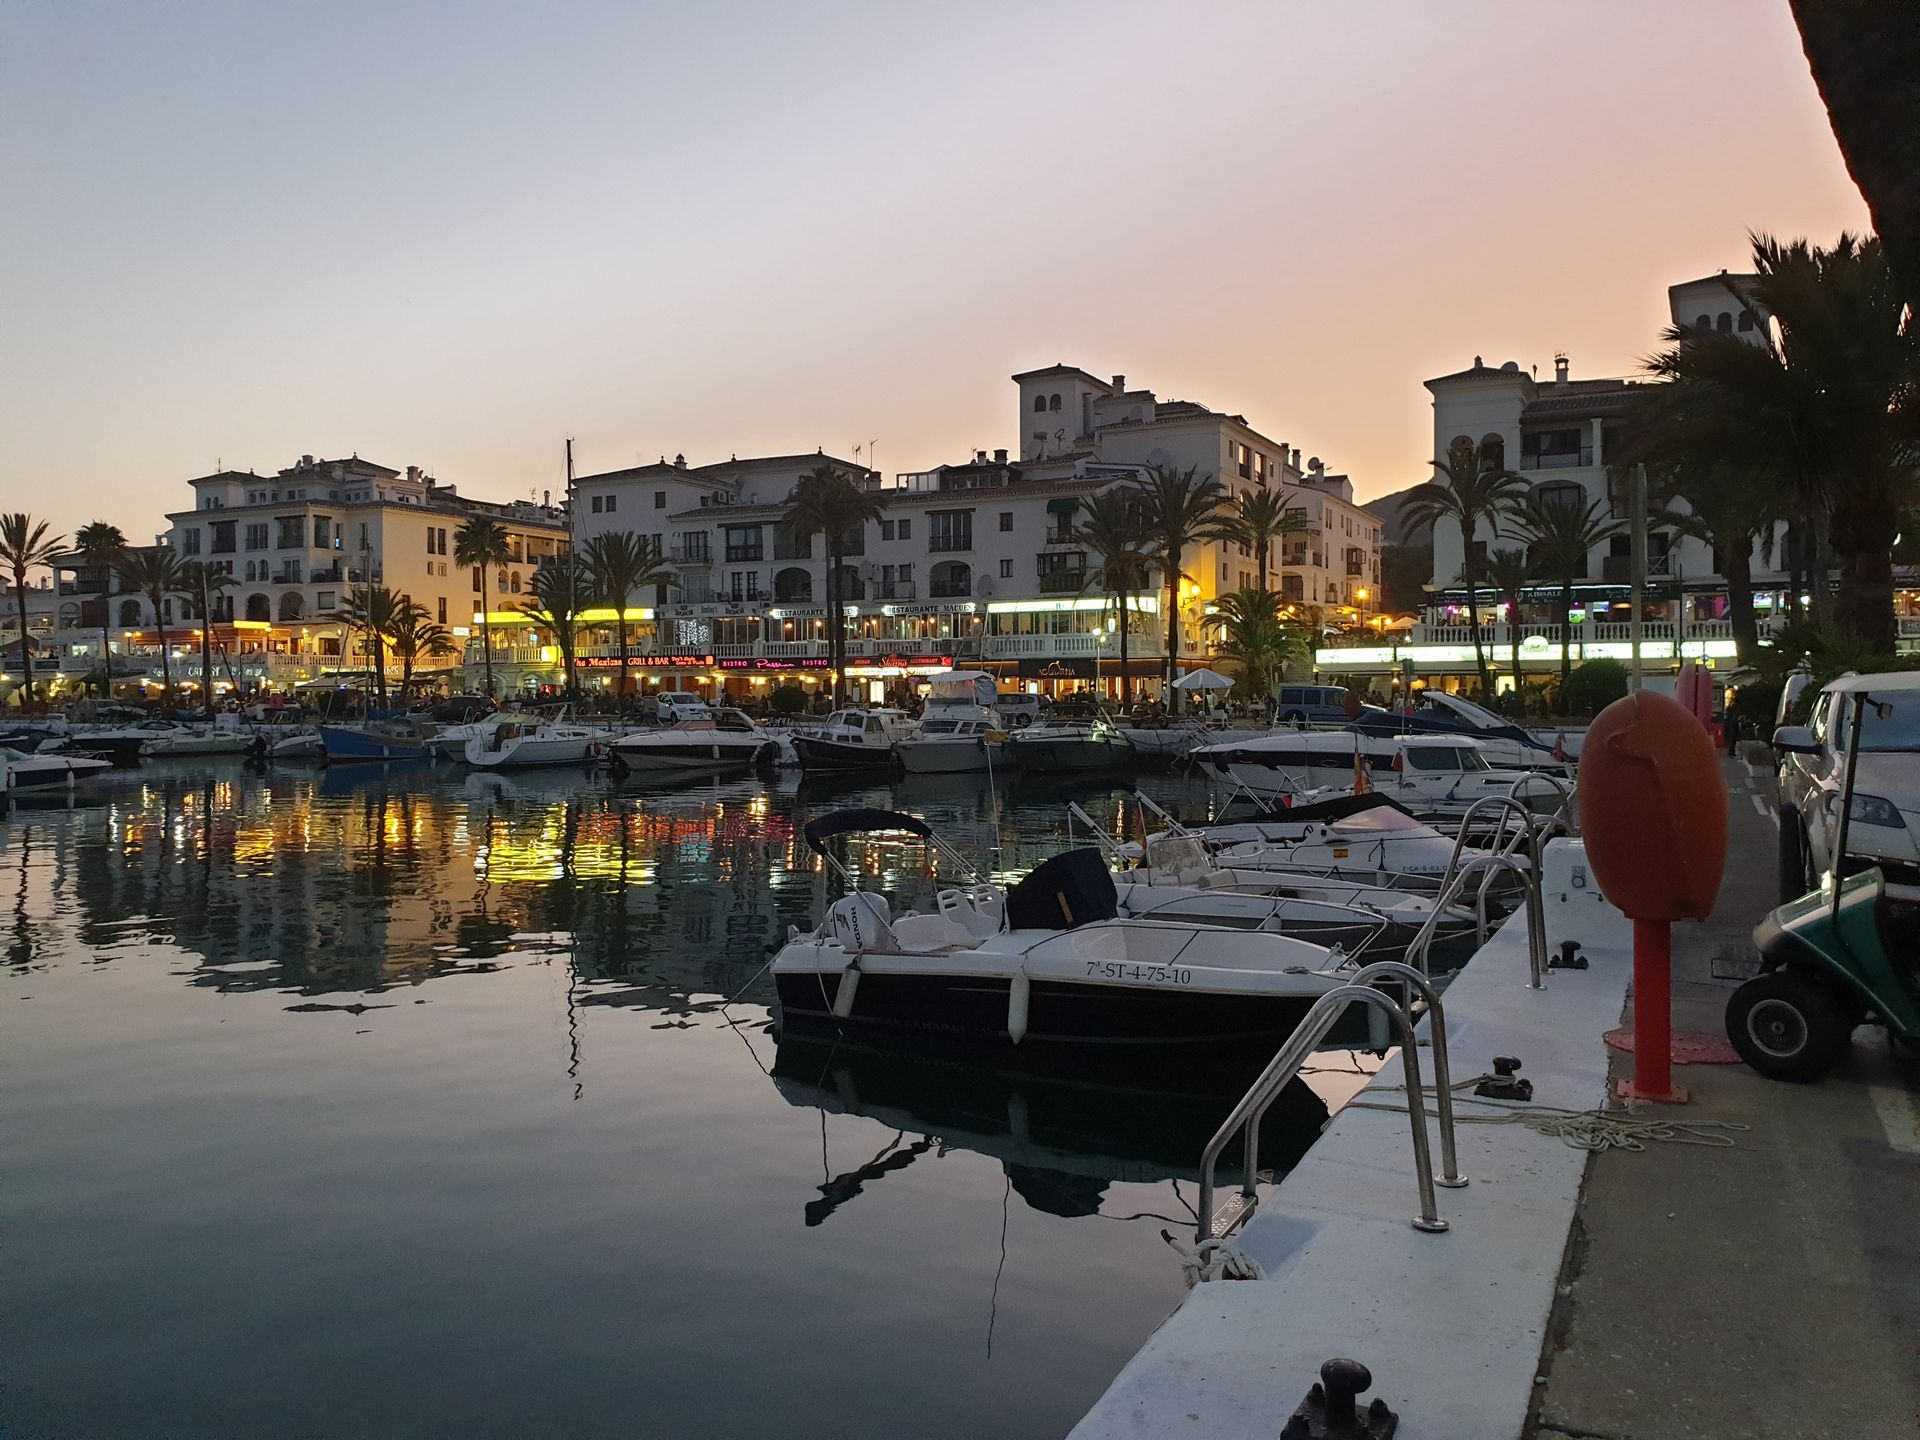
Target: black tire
point(1788, 1026)
point(1792, 850)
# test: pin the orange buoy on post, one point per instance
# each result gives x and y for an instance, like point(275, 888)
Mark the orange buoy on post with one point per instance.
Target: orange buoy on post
point(1653, 806)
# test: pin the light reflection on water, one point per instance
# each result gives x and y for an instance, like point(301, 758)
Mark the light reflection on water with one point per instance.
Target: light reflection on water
point(350, 1104)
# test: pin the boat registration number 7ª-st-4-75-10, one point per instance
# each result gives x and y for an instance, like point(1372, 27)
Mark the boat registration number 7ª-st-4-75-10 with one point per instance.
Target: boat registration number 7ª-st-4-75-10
point(1147, 974)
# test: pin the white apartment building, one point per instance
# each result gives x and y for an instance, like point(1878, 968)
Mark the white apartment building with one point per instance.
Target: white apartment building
point(969, 563)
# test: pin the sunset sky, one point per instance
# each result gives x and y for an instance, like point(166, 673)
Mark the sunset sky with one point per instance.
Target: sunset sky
point(453, 234)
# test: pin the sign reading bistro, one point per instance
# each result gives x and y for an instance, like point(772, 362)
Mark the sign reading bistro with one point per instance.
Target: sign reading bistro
point(805, 662)
point(643, 662)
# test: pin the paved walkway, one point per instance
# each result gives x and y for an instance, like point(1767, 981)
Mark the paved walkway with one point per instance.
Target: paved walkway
point(1769, 1290)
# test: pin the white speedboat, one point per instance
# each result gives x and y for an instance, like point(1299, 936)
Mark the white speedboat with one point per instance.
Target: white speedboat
point(1048, 971)
point(1066, 740)
point(852, 740)
point(1434, 712)
point(303, 742)
point(196, 742)
point(719, 740)
point(449, 742)
point(958, 731)
point(48, 771)
point(523, 744)
point(1419, 771)
point(1163, 737)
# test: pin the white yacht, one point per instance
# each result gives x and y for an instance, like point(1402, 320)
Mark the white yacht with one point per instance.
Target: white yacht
point(852, 740)
point(1070, 738)
point(958, 731)
point(48, 770)
point(1048, 971)
point(522, 744)
point(710, 742)
point(1417, 770)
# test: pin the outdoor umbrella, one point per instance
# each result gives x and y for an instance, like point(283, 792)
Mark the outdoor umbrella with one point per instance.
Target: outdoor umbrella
point(1203, 680)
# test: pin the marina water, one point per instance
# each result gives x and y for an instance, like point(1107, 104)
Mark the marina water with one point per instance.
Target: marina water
point(407, 1103)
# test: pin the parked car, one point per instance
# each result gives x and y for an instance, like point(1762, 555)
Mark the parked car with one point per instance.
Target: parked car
point(671, 706)
point(1016, 708)
point(1312, 705)
point(1886, 793)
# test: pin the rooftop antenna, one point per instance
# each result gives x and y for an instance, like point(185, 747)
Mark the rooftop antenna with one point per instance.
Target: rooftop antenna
point(569, 472)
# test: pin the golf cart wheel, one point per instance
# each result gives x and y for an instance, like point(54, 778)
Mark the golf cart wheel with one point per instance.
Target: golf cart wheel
point(1787, 1026)
point(1792, 850)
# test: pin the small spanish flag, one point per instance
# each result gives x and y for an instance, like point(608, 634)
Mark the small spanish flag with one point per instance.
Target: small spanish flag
point(1360, 785)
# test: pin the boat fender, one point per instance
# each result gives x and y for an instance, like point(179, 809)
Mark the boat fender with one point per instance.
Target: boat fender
point(843, 996)
point(1019, 996)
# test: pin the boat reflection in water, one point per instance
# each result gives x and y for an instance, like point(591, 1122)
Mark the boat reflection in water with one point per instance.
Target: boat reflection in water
point(1061, 1142)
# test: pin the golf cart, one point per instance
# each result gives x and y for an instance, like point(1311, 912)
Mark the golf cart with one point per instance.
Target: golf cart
point(1835, 958)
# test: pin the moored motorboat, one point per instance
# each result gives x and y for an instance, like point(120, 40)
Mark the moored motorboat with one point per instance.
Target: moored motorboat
point(524, 744)
point(1420, 771)
point(720, 740)
point(1065, 740)
point(852, 740)
point(958, 731)
point(374, 741)
point(20, 771)
point(1048, 970)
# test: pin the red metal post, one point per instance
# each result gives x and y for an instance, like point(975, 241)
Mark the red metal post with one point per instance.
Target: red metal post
point(1652, 1016)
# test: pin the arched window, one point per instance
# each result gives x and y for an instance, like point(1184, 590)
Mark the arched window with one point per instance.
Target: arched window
point(1039, 404)
point(129, 612)
point(950, 579)
point(259, 607)
point(513, 583)
point(1726, 322)
point(290, 605)
point(1053, 402)
point(1705, 322)
point(1746, 321)
point(793, 583)
point(1493, 452)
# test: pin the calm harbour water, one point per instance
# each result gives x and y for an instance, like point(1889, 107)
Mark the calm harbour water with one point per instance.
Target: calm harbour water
point(351, 1104)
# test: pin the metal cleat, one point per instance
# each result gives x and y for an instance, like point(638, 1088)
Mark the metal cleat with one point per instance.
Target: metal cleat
point(1331, 1410)
point(1505, 1083)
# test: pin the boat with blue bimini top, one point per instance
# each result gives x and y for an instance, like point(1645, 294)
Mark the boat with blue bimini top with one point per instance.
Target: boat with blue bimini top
point(1045, 974)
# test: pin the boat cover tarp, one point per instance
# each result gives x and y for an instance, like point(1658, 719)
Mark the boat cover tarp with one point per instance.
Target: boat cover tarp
point(860, 821)
point(1072, 888)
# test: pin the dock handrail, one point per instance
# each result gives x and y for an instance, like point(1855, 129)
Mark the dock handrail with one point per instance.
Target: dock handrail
point(1536, 917)
point(1567, 793)
point(1284, 1066)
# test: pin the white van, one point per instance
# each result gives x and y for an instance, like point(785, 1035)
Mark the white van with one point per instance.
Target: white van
point(1016, 708)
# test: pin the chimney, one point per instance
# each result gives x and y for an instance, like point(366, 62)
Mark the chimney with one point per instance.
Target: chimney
point(679, 462)
point(546, 499)
point(413, 472)
point(1000, 457)
point(1560, 368)
point(1295, 462)
point(1119, 384)
point(306, 462)
point(979, 457)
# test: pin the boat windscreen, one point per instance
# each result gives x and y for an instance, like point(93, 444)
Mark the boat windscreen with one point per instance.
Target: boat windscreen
point(860, 821)
point(1072, 888)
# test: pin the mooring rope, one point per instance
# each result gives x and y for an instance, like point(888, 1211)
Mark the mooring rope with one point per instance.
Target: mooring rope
point(1213, 1260)
point(1589, 1130)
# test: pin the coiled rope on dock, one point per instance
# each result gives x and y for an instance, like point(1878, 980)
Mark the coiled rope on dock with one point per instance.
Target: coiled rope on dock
point(1213, 1260)
point(1589, 1130)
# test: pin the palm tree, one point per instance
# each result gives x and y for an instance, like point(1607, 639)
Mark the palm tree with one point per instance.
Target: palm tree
point(379, 612)
point(826, 502)
point(1113, 527)
point(1831, 389)
point(1507, 572)
point(1471, 491)
point(103, 546)
point(418, 638)
point(1259, 517)
point(156, 574)
point(204, 585)
point(620, 563)
point(1560, 530)
point(481, 544)
point(1252, 634)
point(559, 591)
point(1182, 507)
point(25, 545)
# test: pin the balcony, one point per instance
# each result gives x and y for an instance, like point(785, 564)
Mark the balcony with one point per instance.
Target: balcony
point(785, 549)
point(1558, 460)
point(901, 590)
point(1103, 645)
point(949, 544)
point(690, 555)
point(950, 590)
point(1619, 568)
point(745, 554)
point(1062, 535)
point(1063, 582)
point(329, 576)
point(794, 649)
point(1356, 568)
point(747, 595)
point(287, 577)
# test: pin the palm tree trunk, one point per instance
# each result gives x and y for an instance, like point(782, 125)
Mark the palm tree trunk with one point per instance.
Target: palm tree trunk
point(620, 630)
point(1173, 625)
point(1513, 636)
point(1865, 609)
point(1737, 558)
point(1566, 637)
point(206, 661)
point(1265, 546)
point(26, 659)
point(166, 659)
point(1473, 609)
point(836, 634)
point(1126, 682)
point(486, 631)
